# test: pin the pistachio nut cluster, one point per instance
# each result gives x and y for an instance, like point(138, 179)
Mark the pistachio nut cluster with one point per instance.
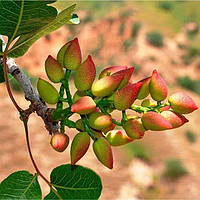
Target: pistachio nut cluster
point(95, 100)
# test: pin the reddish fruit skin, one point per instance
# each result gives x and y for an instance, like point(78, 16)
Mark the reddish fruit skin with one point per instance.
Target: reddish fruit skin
point(78, 95)
point(54, 70)
point(103, 152)
point(144, 90)
point(85, 75)
point(127, 73)
point(175, 119)
point(69, 55)
point(110, 70)
point(157, 87)
point(59, 142)
point(182, 103)
point(117, 138)
point(106, 86)
point(134, 128)
point(84, 105)
point(79, 146)
point(155, 122)
point(99, 120)
point(109, 128)
point(126, 96)
point(164, 108)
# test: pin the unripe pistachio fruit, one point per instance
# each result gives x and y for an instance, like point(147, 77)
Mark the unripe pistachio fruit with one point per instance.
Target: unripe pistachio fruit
point(134, 128)
point(54, 70)
point(69, 55)
point(157, 87)
point(148, 103)
point(144, 89)
point(106, 86)
point(59, 142)
point(78, 95)
point(117, 138)
point(79, 146)
point(175, 119)
point(127, 73)
point(85, 75)
point(103, 152)
point(126, 96)
point(99, 120)
point(109, 128)
point(154, 121)
point(80, 127)
point(47, 92)
point(182, 103)
point(84, 105)
point(111, 70)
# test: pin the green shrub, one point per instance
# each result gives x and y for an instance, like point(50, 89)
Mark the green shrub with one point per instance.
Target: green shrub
point(186, 82)
point(137, 150)
point(174, 169)
point(127, 44)
point(135, 29)
point(191, 137)
point(122, 28)
point(155, 38)
point(165, 5)
point(136, 66)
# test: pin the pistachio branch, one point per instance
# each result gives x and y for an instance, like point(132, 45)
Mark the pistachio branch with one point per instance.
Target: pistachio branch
point(30, 93)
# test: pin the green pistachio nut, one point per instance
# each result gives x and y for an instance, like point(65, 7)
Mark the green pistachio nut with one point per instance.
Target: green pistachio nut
point(182, 103)
point(85, 75)
point(47, 92)
point(154, 121)
point(134, 128)
point(69, 55)
point(144, 90)
point(126, 96)
point(117, 138)
point(78, 95)
point(99, 121)
point(84, 105)
point(79, 147)
point(157, 87)
point(59, 142)
point(103, 152)
point(106, 86)
point(54, 70)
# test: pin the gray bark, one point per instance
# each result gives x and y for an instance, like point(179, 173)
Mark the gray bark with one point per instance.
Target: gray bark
point(30, 93)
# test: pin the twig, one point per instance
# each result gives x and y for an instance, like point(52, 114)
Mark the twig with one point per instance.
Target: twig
point(30, 93)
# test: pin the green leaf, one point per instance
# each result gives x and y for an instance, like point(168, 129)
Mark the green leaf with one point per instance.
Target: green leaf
point(20, 185)
point(34, 15)
point(25, 41)
point(75, 182)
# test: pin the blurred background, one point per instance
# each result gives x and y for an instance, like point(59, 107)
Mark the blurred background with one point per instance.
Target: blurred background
point(162, 35)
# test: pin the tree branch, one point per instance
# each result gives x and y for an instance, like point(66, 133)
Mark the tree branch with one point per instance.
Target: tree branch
point(30, 93)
